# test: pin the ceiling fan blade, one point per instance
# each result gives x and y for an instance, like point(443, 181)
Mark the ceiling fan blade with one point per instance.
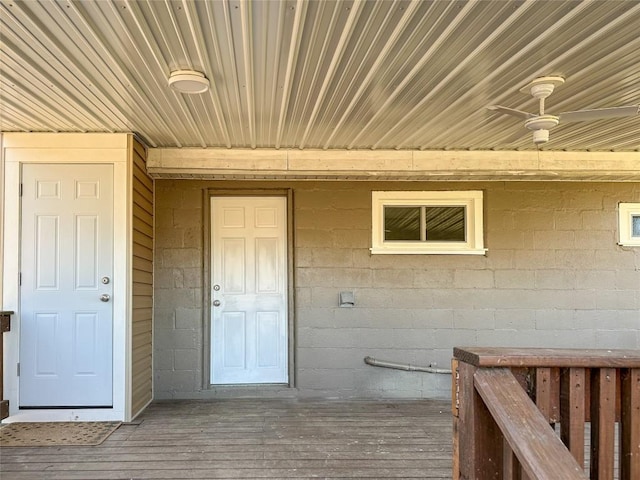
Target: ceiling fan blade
point(599, 113)
point(510, 111)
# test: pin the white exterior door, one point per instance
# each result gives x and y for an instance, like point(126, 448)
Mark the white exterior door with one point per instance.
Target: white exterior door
point(249, 290)
point(66, 273)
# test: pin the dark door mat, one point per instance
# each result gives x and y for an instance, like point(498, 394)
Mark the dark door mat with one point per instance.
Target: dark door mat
point(44, 434)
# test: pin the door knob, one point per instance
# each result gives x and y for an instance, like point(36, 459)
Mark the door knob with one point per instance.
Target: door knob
point(216, 303)
point(105, 297)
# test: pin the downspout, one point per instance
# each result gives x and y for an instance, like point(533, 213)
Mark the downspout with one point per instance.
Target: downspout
point(405, 366)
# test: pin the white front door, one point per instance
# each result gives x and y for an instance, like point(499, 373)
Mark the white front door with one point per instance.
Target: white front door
point(66, 283)
point(249, 290)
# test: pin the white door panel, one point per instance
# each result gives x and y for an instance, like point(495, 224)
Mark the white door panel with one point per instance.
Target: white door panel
point(249, 311)
point(67, 248)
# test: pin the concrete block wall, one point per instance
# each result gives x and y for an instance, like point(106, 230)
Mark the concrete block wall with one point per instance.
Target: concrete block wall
point(553, 277)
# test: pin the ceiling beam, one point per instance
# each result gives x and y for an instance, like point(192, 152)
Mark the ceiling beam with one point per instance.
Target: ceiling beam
point(393, 164)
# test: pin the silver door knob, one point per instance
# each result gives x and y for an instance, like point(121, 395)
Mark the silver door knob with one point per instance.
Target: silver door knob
point(216, 303)
point(105, 297)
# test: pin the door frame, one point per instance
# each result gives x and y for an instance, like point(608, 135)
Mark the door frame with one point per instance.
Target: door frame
point(112, 149)
point(287, 193)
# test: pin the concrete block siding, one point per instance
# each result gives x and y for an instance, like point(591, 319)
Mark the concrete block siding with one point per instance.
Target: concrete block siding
point(553, 277)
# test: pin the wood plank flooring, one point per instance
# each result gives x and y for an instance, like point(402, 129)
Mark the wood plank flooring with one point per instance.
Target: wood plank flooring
point(242, 439)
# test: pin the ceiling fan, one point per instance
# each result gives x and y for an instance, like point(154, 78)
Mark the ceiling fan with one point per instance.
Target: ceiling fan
point(540, 124)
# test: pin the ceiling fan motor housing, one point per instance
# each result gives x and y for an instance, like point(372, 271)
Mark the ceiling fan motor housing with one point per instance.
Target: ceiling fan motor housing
point(540, 136)
point(541, 122)
point(540, 126)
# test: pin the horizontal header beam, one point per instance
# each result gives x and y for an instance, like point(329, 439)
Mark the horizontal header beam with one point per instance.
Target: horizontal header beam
point(393, 165)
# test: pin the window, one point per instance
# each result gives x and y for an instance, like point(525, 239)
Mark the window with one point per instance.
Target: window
point(427, 223)
point(629, 224)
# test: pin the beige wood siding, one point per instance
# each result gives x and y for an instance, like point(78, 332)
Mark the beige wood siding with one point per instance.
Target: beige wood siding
point(142, 282)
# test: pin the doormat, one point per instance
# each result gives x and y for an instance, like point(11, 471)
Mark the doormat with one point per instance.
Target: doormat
point(45, 434)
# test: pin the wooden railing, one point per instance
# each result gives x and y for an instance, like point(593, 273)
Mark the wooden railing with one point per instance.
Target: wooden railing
point(5, 326)
point(508, 405)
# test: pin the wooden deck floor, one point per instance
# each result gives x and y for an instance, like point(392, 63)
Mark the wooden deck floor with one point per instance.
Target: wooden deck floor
point(240, 439)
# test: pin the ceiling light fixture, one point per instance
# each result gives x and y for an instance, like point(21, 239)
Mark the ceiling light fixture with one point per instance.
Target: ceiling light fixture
point(188, 81)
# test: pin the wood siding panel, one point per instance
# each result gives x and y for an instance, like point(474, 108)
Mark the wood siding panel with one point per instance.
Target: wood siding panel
point(143, 277)
point(144, 182)
point(143, 240)
point(143, 228)
point(142, 252)
point(142, 264)
point(141, 195)
point(142, 291)
point(142, 301)
point(142, 200)
point(142, 328)
point(141, 215)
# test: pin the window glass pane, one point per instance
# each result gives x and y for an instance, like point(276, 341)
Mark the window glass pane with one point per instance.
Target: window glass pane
point(635, 226)
point(445, 224)
point(402, 223)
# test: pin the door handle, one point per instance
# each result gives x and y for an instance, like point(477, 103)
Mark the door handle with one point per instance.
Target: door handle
point(216, 303)
point(105, 297)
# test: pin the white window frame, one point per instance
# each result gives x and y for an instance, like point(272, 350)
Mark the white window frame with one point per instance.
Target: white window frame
point(626, 212)
point(472, 200)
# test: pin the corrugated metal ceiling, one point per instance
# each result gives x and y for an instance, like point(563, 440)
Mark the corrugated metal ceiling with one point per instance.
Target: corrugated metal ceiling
point(319, 74)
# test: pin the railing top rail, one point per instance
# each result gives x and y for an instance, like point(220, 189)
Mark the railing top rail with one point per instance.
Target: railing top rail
point(547, 357)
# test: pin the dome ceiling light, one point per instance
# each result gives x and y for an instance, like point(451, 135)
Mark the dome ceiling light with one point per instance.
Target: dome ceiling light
point(188, 81)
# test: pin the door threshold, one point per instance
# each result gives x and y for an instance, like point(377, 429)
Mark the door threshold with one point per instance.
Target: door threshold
point(66, 407)
point(216, 392)
point(250, 385)
point(65, 415)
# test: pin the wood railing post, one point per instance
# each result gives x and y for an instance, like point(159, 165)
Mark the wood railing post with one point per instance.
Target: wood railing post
point(480, 439)
point(511, 465)
point(630, 425)
point(547, 390)
point(455, 413)
point(572, 411)
point(603, 417)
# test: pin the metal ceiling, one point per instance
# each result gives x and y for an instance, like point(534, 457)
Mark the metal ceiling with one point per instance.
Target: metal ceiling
point(319, 74)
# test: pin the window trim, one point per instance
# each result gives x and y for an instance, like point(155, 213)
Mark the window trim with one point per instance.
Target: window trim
point(472, 200)
point(626, 212)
